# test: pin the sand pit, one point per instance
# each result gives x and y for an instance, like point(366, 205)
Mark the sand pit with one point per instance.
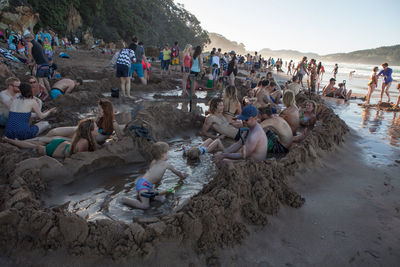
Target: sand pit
point(238, 195)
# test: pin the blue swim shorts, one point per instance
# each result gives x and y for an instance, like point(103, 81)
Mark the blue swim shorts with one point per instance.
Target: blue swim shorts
point(138, 67)
point(55, 92)
point(143, 184)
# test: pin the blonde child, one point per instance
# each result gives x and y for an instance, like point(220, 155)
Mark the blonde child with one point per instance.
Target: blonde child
point(153, 176)
point(208, 146)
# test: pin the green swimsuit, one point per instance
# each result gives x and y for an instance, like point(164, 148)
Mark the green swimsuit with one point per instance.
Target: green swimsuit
point(52, 146)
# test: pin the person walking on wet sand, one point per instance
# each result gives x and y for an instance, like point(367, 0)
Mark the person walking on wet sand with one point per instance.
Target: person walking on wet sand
point(153, 176)
point(125, 58)
point(335, 70)
point(372, 84)
point(387, 80)
point(64, 87)
point(255, 145)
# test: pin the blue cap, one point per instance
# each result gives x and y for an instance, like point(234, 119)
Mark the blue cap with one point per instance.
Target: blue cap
point(247, 112)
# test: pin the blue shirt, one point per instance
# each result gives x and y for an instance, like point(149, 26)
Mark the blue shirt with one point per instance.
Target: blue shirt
point(387, 75)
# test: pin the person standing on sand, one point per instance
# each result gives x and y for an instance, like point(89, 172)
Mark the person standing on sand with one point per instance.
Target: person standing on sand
point(125, 58)
point(64, 87)
point(255, 145)
point(372, 84)
point(387, 80)
point(140, 58)
point(335, 70)
point(166, 60)
point(301, 70)
point(175, 57)
point(187, 64)
point(36, 54)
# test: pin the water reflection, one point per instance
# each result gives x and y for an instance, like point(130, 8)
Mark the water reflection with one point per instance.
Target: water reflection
point(394, 130)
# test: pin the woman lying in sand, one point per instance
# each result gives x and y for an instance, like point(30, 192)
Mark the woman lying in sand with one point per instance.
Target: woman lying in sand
point(232, 105)
point(307, 114)
point(106, 124)
point(217, 122)
point(291, 113)
point(83, 140)
point(208, 146)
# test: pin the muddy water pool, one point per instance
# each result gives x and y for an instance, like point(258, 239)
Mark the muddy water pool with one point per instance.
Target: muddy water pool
point(96, 195)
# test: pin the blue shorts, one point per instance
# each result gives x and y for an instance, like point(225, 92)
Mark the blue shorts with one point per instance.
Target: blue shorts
point(300, 76)
point(165, 64)
point(143, 184)
point(43, 71)
point(138, 67)
point(55, 92)
point(122, 70)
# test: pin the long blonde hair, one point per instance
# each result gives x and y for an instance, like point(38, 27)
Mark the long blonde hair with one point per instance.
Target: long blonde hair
point(288, 98)
point(84, 131)
point(188, 47)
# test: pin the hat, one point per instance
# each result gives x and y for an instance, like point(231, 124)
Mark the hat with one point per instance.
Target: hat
point(232, 52)
point(28, 35)
point(247, 112)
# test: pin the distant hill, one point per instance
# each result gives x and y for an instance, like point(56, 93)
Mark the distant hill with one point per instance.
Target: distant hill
point(287, 54)
point(219, 41)
point(390, 54)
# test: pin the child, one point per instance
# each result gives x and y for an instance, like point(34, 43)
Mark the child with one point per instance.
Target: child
point(153, 176)
point(47, 48)
point(342, 93)
point(398, 99)
point(194, 152)
point(216, 73)
point(210, 82)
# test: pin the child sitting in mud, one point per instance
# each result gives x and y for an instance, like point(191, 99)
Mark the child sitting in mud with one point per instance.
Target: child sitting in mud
point(153, 176)
point(208, 146)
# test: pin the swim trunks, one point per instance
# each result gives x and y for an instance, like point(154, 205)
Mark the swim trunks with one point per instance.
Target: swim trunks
point(138, 67)
point(52, 146)
point(143, 184)
point(55, 92)
point(175, 61)
point(274, 146)
point(122, 70)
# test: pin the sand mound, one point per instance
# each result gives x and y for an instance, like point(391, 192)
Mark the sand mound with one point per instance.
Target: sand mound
point(240, 194)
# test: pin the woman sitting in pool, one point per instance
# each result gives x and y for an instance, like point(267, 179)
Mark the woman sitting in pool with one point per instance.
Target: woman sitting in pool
point(217, 122)
point(106, 124)
point(291, 113)
point(232, 106)
point(84, 139)
point(307, 114)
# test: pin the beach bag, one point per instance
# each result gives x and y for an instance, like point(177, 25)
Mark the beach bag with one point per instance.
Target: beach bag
point(115, 92)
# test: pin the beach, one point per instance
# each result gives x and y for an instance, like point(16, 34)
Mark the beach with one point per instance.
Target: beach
point(333, 200)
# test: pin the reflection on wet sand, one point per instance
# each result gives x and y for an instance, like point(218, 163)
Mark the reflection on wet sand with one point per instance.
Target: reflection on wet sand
point(374, 124)
point(394, 130)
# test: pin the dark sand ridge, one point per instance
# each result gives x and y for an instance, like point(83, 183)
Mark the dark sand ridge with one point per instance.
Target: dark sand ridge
point(218, 216)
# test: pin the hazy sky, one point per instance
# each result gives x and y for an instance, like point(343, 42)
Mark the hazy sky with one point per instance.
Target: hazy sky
point(309, 26)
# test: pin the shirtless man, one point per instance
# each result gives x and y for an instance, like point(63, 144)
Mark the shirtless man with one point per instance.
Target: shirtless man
point(330, 89)
point(64, 86)
point(256, 144)
point(279, 133)
point(262, 94)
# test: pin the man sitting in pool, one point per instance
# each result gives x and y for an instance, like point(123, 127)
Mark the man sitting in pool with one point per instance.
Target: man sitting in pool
point(152, 176)
point(64, 86)
point(255, 145)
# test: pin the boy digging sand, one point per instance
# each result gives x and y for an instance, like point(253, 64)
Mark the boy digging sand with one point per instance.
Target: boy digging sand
point(153, 176)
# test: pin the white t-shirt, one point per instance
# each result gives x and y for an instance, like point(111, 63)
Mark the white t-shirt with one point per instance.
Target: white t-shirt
point(215, 60)
point(6, 98)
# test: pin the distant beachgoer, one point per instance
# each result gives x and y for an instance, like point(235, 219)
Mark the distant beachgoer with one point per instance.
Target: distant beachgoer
point(330, 89)
point(307, 115)
point(106, 124)
point(291, 112)
point(18, 123)
point(197, 64)
point(387, 80)
point(187, 64)
point(372, 84)
point(289, 72)
point(335, 70)
point(351, 74)
point(208, 146)
point(140, 58)
point(302, 70)
point(216, 121)
point(175, 52)
point(153, 176)
point(82, 140)
point(255, 145)
point(166, 60)
point(320, 72)
point(64, 87)
point(313, 75)
point(125, 59)
point(232, 106)
point(232, 68)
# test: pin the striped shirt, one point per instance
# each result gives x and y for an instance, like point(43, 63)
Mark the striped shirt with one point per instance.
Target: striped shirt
point(126, 57)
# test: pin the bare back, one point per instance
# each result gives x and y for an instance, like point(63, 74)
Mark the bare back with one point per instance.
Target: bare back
point(281, 128)
point(64, 84)
point(291, 116)
point(156, 171)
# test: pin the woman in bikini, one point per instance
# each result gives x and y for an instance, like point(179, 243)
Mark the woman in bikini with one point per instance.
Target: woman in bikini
point(217, 122)
point(307, 114)
point(372, 84)
point(106, 124)
point(84, 139)
point(232, 105)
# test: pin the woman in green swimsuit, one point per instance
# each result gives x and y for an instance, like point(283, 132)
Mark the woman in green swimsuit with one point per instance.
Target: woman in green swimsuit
point(84, 139)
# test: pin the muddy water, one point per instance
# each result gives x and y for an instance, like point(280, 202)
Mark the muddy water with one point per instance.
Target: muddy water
point(96, 196)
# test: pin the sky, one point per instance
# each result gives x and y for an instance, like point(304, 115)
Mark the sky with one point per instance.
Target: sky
point(319, 26)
